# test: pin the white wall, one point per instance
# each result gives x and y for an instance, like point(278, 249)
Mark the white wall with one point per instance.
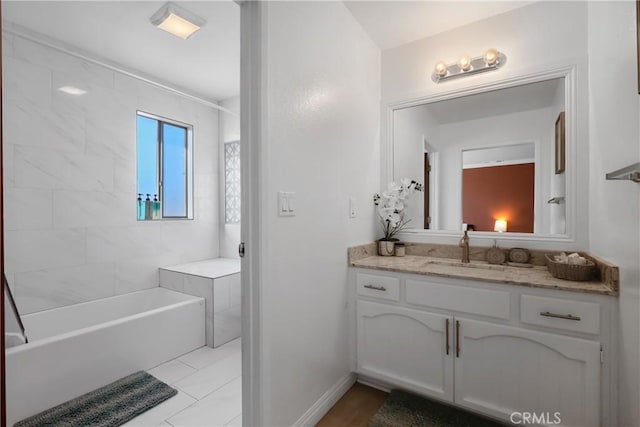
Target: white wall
point(412, 128)
point(321, 142)
point(534, 38)
point(70, 180)
point(614, 205)
point(229, 131)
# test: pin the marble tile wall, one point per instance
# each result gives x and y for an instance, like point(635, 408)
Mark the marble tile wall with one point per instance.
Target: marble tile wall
point(71, 233)
point(222, 298)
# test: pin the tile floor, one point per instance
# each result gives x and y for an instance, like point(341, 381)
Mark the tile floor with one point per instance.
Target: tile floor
point(209, 384)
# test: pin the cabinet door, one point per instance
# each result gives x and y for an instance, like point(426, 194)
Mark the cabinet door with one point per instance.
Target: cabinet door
point(501, 370)
point(407, 348)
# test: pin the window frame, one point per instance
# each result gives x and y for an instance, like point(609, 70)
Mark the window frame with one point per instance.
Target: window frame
point(160, 160)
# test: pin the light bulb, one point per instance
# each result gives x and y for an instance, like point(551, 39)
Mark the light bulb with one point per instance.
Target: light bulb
point(490, 56)
point(440, 68)
point(464, 63)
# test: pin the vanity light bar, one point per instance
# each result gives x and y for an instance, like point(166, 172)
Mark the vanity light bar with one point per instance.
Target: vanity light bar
point(490, 60)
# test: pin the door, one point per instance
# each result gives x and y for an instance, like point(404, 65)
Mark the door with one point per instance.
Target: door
point(502, 370)
point(425, 189)
point(405, 347)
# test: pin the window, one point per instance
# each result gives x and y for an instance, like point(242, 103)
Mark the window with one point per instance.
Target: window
point(232, 182)
point(165, 184)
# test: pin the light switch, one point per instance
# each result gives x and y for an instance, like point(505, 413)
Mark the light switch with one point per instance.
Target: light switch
point(286, 205)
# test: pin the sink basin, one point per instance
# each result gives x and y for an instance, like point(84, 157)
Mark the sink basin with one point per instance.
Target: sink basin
point(472, 264)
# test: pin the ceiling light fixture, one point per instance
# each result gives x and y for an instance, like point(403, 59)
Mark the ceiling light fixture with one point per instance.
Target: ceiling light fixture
point(490, 60)
point(177, 20)
point(72, 90)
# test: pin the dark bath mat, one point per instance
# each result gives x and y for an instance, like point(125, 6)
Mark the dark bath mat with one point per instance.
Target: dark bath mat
point(108, 406)
point(402, 409)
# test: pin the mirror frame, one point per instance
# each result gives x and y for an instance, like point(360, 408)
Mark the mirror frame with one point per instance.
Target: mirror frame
point(571, 172)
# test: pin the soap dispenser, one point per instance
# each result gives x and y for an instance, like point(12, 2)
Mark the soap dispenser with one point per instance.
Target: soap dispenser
point(140, 207)
point(156, 207)
point(148, 207)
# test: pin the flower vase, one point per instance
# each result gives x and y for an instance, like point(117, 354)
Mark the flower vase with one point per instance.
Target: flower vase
point(386, 247)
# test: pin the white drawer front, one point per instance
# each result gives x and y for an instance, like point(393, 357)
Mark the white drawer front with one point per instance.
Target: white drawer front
point(484, 302)
point(577, 316)
point(378, 286)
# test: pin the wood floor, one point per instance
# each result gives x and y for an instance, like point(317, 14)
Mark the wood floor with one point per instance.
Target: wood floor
point(355, 408)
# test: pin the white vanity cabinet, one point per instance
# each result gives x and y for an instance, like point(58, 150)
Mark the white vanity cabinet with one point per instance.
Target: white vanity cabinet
point(495, 349)
point(500, 370)
point(406, 347)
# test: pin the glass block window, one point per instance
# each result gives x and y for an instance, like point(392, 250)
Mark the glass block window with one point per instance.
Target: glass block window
point(232, 182)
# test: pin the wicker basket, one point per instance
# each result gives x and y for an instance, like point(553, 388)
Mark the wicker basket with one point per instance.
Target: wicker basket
point(561, 270)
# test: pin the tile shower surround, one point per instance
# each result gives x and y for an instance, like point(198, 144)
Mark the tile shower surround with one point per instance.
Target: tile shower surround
point(70, 180)
point(218, 282)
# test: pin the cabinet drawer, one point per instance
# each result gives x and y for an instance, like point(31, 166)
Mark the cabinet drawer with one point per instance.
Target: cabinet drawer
point(577, 316)
point(484, 302)
point(378, 286)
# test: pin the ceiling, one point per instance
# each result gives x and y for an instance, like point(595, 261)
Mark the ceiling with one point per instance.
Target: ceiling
point(516, 99)
point(206, 65)
point(393, 23)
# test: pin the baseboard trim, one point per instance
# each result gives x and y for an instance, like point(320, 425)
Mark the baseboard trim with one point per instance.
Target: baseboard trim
point(379, 385)
point(318, 410)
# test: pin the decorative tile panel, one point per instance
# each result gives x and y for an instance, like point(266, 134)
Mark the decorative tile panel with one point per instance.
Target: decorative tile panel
point(232, 182)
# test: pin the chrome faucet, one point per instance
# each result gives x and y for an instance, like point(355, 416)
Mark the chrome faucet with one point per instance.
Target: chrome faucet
point(464, 244)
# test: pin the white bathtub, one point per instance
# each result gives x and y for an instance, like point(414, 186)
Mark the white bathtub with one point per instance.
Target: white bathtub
point(76, 349)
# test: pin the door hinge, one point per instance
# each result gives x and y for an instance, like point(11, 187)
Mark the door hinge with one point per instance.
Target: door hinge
point(428, 220)
point(241, 249)
point(601, 355)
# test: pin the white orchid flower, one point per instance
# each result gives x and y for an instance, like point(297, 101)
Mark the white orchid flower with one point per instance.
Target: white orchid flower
point(390, 205)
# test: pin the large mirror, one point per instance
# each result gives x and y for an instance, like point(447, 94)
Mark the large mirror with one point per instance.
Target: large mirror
point(491, 161)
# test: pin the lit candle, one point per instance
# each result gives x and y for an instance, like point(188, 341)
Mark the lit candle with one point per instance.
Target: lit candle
point(500, 226)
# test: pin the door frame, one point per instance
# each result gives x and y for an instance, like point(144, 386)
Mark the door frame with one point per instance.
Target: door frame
point(253, 43)
point(3, 390)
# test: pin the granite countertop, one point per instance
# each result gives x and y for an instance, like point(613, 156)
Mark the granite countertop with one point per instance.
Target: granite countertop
point(535, 276)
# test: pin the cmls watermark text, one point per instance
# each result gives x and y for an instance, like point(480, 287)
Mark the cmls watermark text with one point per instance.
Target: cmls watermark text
point(535, 418)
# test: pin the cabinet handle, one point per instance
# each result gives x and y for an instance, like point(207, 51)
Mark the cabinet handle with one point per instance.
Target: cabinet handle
point(559, 316)
point(447, 336)
point(457, 338)
point(376, 288)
